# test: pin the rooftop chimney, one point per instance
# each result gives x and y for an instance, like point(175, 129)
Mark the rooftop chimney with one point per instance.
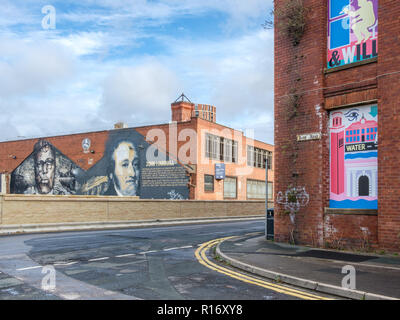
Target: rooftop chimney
point(120, 125)
point(182, 110)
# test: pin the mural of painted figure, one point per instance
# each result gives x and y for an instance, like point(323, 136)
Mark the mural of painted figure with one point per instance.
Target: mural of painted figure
point(46, 171)
point(45, 167)
point(123, 168)
point(364, 19)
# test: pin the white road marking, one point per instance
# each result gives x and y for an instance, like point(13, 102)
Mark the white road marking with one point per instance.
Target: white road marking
point(178, 248)
point(98, 259)
point(126, 255)
point(64, 263)
point(29, 268)
point(144, 252)
point(171, 249)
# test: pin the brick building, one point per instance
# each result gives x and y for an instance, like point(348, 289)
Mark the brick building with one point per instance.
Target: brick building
point(336, 91)
point(175, 160)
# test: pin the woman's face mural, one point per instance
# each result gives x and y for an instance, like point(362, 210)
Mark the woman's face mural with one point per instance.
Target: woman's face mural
point(126, 169)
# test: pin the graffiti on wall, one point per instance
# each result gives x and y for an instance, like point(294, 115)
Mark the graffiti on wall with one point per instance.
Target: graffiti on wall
point(352, 31)
point(354, 158)
point(129, 167)
point(293, 199)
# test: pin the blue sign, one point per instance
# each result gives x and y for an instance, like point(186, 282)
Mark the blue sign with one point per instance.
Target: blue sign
point(220, 171)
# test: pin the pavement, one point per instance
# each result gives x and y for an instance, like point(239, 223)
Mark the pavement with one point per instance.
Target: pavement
point(6, 230)
point(377, 277)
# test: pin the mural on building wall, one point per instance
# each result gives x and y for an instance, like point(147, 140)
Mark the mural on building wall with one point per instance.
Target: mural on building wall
point(354, 158)
point(129, 167)
point(46, 171)
point(352, 31)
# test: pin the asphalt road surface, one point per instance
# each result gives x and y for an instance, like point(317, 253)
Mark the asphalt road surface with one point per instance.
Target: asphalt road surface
point(157, 263)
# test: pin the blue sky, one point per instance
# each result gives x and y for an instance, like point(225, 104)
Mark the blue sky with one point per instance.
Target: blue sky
point(127, 60)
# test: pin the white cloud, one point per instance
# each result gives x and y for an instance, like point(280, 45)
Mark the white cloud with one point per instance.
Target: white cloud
point(139, 94)
point(32, 67)
point(60, 82)
point(234, 75)
point(82, 43)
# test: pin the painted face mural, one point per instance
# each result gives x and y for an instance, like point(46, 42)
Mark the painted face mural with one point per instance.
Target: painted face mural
point(44, 167)
point(125, 175)
point(122, 171)
point(45, 171)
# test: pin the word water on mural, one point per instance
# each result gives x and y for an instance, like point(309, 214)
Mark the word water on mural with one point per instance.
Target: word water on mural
point(354, 158)
point(352, 31)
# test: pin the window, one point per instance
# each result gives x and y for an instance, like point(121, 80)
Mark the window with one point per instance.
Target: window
point(256, 189)
point(208, 183)
point(230, 187)
point(270, 191)
point(222, 149)
point(212, 146)
point(256, 157)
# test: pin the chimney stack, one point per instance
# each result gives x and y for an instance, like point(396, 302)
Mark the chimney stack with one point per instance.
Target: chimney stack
point(182, 110)
point(120, 125)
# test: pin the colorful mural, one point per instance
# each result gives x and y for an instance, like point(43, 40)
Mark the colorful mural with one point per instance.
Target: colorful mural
point(129, 167)
point(352, 31)
point(354, 158)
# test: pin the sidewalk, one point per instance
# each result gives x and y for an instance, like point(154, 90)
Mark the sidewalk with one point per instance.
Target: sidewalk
point(377, 277)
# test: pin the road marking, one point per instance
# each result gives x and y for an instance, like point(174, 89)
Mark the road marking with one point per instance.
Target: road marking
point(65, 263)
point(202, 258)
point(98, 259)
point(169, 249)
point(126, 255)
point(144, 252)
point(29, 268)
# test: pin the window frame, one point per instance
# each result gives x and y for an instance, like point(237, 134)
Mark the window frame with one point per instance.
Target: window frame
point(213, 183)
point(236, 187)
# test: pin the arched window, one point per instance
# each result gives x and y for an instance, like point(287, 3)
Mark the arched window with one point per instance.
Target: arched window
point(363, 186)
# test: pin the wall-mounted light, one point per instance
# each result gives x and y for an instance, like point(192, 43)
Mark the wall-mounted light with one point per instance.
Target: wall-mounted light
point(92, 151)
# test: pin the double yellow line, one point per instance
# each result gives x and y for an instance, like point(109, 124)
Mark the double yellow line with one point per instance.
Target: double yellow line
point(202, 258)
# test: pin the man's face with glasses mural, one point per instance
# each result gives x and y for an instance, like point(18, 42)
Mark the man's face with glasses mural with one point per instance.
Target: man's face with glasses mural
point(45, 167)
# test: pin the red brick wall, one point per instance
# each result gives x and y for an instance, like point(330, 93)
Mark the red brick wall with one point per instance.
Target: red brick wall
point(71, 146)
point(302, 67)
point(356, 231)
point(389, 124)
point(301, 164)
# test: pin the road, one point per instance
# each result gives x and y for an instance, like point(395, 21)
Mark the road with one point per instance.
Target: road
point(164, 263)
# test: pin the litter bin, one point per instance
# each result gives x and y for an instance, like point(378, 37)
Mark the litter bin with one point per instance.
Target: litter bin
point(269, 230)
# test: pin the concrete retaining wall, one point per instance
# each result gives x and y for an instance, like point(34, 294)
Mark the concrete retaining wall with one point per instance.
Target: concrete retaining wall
point(28, 209)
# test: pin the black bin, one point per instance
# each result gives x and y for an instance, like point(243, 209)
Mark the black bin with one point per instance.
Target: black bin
point(269, 230)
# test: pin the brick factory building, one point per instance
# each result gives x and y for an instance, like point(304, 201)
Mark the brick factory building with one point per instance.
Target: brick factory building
point(336, 91)
point(191, 157)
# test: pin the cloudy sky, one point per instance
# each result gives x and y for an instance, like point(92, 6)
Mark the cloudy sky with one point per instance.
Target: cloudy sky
point(126, 60)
